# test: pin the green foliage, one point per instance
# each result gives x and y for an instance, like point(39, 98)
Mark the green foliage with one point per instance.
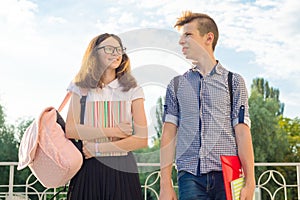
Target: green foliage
point(9, 143)
point(2, 117)
point(274, 137)
point(292, 128)
point(8, 146)
point(262, 87)
point(159, 114)
point(21, 127)
point(268, 137)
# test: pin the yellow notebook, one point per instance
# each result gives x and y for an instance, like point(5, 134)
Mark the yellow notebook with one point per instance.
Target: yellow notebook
point(236, 186)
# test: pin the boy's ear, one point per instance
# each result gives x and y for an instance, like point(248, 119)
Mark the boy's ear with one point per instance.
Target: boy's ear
point(210, 37)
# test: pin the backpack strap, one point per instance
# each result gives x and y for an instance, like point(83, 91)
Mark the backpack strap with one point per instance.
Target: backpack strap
point(176, 83)
point(57, 193)
point(230, 89)
point(82, 108)
point(77, 143)
point(64, 102)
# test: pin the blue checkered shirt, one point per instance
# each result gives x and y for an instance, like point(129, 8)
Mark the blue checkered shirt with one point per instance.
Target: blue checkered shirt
point(201, 111)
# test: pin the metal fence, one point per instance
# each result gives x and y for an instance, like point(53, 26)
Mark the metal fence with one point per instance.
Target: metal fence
point(271, 183)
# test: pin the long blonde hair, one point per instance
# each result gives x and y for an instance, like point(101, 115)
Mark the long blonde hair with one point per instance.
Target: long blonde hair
point(91, 72)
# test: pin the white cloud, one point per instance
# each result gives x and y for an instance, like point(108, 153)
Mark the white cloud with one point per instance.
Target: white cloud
point(267, 28)
point(263, 28)
point(143, 4)
point(109, 25)
point(18, 18)
point(127, 18)
point(114, 10)
point(265, 3)
point(18, 12)
point(57, 20)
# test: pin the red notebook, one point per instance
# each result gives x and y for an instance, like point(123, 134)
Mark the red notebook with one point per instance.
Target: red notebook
point(231, 167)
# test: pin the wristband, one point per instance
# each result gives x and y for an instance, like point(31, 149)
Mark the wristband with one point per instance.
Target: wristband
point(96, 148)
point(98, 154)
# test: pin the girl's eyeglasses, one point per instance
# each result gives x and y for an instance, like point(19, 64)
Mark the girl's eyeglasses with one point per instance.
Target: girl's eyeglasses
point(110, 49)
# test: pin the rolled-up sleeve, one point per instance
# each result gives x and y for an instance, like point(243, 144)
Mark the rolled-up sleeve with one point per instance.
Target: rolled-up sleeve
point(171, 110)
point(240, 112)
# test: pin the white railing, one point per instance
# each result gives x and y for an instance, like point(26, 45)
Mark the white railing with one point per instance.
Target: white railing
point(151, 183)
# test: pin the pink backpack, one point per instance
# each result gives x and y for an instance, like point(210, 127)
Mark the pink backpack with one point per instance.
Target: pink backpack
point(52, 158)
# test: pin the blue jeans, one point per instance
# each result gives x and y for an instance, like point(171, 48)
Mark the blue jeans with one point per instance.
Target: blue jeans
point(208, 186)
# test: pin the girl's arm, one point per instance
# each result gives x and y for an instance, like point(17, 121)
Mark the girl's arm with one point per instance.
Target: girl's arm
point(130, 143)
point(133, 142)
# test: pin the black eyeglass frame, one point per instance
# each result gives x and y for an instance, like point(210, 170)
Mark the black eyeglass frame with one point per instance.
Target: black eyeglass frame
point(117, 49)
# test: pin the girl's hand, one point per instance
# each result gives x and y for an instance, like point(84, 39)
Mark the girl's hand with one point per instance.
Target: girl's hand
point(125, 129)
point(88, 148)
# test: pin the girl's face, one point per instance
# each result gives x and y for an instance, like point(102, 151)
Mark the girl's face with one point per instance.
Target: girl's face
point(110, 52)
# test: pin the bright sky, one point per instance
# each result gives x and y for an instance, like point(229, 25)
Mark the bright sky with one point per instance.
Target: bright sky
point(42, 44)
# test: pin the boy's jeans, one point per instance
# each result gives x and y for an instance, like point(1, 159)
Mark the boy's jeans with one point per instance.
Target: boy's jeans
point(208, 186)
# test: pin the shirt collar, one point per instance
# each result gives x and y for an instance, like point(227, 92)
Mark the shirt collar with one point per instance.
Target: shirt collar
point(114, 84)
point(217, 69)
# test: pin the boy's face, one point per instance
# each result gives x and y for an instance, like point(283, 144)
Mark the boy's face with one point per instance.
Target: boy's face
point(193, 45)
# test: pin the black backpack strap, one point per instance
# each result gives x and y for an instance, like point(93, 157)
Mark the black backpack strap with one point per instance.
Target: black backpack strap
point(57, 193)
point(230, 89)
point(242, 108)
point(82, 108)
point(78, 143)
point(176, 83)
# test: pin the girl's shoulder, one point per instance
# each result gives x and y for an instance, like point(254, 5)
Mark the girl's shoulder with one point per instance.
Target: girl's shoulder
point(77, 90)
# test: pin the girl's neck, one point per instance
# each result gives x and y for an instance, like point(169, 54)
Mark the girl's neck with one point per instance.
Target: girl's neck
point(109, 76)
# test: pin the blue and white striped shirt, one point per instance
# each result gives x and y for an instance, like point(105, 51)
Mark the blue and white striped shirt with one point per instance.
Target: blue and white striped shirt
point(202, 112)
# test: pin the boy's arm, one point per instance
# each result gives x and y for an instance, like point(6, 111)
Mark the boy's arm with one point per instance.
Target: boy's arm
point(167, 153)
point(246, 155)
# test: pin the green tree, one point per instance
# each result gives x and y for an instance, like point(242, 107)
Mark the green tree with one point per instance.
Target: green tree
point(262, 87)
point(265, 110)
point(292, 128)
point(10, 137)
point(8, 145)
point(151, 155)
point(159, 114)
point(22, 124)
point(268, 137)
point(8, 142)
